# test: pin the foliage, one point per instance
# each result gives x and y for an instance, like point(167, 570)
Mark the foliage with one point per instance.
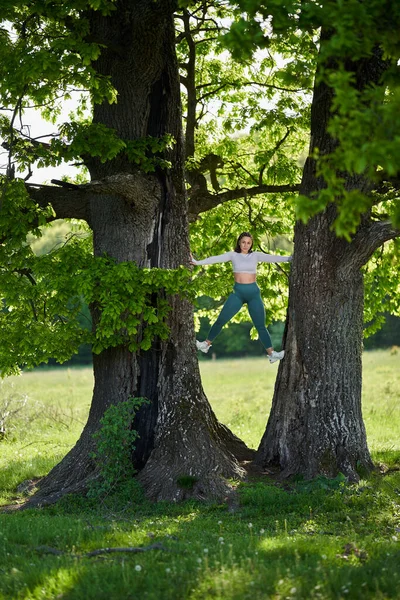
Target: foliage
point(382, 288)
point(247, 69)
point(48, 45)
point(115, 443)
point(363, 122)
point(131, 300)
point(84, 138)
point(44, 296)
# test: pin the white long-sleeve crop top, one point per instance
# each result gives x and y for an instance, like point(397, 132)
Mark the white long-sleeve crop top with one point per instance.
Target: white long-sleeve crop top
point(243, 263)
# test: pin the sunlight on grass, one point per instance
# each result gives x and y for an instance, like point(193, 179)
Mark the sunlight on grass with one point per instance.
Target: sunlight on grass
point(306, 540)
point(240, 392)
point(56, 585)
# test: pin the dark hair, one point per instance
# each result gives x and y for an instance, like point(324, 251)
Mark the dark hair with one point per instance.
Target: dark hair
point(242, 235)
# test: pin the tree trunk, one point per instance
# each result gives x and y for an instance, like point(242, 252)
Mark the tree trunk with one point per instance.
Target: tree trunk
point(315, 426)
point(180, 438)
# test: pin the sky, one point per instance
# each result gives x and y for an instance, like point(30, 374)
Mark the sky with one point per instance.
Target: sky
point(36, 126)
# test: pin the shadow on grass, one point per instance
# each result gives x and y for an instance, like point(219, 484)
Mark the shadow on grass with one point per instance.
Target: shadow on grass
point(16, 472)
point(307, 541)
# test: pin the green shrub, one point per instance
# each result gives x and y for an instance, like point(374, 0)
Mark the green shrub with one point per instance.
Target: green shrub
point(115, 443)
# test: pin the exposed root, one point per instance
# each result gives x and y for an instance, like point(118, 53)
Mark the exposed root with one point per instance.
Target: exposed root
point(188, 477)
point(235, 445)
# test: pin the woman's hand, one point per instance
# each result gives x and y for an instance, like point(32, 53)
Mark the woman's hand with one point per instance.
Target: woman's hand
point(191, 259)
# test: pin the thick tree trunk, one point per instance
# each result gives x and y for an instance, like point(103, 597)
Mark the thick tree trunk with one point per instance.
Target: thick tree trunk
point(315, 426)
point(180, 438)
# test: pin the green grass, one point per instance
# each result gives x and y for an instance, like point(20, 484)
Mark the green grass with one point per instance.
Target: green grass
point(243, 401)
point(322, 539)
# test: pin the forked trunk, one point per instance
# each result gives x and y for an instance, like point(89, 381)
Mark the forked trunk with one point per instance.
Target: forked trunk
point(180, 438)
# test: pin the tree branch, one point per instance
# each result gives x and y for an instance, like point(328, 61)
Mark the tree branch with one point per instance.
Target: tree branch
point(67, 203)
point(126, 185)
point(201, 201)
point(72, 201)
point(275, 87)
point(212, 92)
point(365, 242)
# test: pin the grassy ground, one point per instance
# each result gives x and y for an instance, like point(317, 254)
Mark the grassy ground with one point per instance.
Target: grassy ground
point(321, 539)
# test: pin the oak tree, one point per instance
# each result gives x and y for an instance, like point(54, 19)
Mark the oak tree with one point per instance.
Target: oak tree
point(242, 172)
point(348, 208)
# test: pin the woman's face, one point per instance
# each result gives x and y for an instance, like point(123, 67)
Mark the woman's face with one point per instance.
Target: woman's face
point(245, 244)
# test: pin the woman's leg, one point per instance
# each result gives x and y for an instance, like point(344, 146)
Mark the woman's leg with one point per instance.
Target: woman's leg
point(232, 306)
point(257, 314)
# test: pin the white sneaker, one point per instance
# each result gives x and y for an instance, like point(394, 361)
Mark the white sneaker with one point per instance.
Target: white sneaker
point(276, 356)
point(203, 346)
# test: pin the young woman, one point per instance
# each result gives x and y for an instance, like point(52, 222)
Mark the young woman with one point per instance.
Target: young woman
point(245, 291)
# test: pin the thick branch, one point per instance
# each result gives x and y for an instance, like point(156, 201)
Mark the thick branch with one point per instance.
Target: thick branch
point(67, 203)
point(365, 242)
point(72, 201)
point(137, 188)
point(203, 201)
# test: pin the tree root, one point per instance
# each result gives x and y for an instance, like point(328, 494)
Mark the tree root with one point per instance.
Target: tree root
point(132, 550)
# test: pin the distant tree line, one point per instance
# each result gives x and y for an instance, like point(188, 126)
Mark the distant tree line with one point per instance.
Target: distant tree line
point(235, 341)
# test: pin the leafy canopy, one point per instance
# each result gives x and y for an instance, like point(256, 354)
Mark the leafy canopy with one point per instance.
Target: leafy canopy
point(364, 122)
point(247, 71)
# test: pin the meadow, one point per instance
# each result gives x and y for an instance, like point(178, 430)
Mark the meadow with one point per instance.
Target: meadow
point(298, 540)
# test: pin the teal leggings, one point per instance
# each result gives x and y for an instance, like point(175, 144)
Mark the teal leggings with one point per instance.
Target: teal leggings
point(243, 293)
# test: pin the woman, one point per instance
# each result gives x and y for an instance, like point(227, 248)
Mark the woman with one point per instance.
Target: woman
point(245, 291)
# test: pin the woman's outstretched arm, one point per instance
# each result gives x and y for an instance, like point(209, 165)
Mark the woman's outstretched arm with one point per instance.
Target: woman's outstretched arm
point(272, 258)
point(212, 260)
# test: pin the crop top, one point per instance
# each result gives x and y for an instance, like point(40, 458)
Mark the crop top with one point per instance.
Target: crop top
point(243, 263)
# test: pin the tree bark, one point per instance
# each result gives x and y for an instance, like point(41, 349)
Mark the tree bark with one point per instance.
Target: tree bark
point(147, 223)
point(315, 426)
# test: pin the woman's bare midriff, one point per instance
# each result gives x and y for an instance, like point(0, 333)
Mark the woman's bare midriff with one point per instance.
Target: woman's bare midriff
point(245, 277)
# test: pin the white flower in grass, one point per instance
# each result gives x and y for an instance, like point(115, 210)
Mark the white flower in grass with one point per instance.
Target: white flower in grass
point(199, 560)
point(221, 540)
point(262, 531)
point(138, 568)
point(168, 570)
point(293, 590)
point(219, 522)
point(205, 550)
point(250, 525)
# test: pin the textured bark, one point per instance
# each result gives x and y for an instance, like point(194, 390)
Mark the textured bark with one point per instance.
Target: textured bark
point(315, 426)
point(67, 203)
point(143, 218)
